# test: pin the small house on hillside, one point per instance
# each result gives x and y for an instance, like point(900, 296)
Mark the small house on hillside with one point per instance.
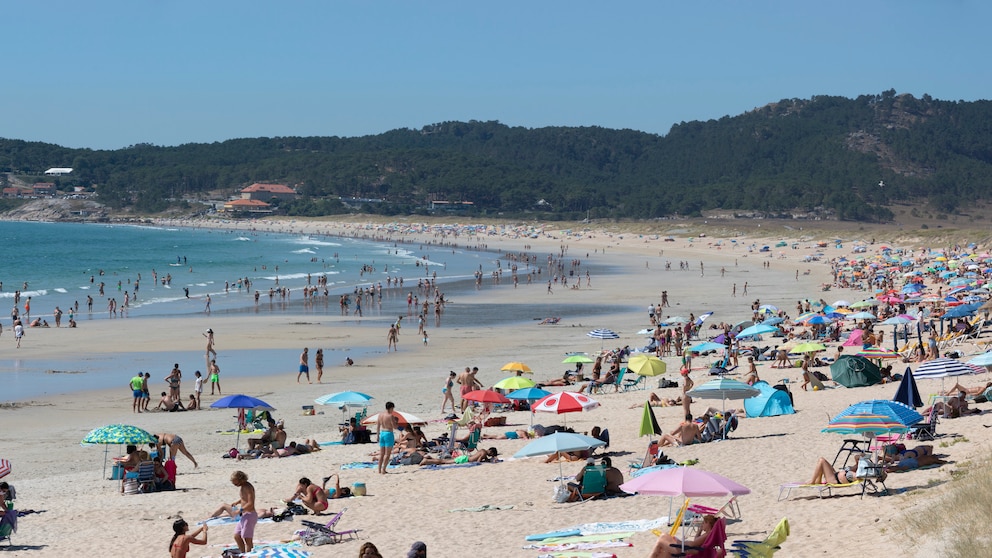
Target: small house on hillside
point(44, 189)
point(266, 192)
point(58, 171)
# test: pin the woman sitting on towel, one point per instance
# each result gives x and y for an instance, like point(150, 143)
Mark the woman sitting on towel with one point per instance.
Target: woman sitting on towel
point(824, 472)
point(668, 545)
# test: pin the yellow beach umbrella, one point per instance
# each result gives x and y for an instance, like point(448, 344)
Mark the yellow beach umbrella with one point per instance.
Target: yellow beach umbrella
point(646, 365)
point(516, 367)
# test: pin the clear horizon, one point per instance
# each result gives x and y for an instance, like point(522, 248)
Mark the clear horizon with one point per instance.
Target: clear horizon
point(123, 73)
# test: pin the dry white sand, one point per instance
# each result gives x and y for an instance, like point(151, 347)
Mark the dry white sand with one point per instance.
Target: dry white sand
point(82, 512)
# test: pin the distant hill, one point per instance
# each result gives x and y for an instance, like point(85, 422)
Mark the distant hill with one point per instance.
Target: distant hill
point(824, 156)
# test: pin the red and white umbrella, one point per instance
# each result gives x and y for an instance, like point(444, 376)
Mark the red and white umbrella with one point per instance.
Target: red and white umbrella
point(406, 419)
point(564, 402)
point(4, 468)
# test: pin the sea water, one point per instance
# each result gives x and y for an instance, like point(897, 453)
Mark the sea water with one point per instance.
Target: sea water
point(61, 264)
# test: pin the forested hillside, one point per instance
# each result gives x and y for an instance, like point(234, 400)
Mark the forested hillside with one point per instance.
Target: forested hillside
point(825, 155)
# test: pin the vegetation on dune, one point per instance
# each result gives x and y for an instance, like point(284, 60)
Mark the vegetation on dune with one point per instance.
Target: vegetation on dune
point(819, 157)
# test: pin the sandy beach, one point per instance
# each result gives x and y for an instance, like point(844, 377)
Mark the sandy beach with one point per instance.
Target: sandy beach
point(53, 473)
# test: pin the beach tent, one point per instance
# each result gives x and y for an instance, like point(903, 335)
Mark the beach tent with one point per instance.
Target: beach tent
point(854, 371)
point(854, 339)
point(770, 403)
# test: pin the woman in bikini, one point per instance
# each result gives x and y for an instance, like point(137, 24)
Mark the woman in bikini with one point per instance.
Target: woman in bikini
point(824, 473)
point(179, 546)
point(313, 496)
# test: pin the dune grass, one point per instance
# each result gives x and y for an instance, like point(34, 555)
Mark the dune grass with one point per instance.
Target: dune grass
point(958, 521)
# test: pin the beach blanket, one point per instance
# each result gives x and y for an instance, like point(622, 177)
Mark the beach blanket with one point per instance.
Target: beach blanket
point(338, 443)
point(623, 526)
point(364, 465)
point(486, 507)
point(605, 537)
point(273, 549)
point(451, 466)
point(577, 554)
point(576, 546)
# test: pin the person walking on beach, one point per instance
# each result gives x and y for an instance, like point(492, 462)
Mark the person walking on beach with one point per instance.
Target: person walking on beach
point(27, 309)
point(146, 396)
point(58, 316)
point(392, 339)
point(136, 383)
point(448, 391)
point(209, 334)
point(244, 533)
point(214, 377)
point(304, 365)
point(18, 332)
point(386, 424)
point(318, 361)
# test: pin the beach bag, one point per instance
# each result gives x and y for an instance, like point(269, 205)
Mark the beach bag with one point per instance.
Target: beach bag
point(560, 494)
point(131, 486)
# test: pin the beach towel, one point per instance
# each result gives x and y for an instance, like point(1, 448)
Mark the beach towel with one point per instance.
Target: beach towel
point(623, 526)
point(486, 507)
point(364, 465)
point(576, 546)
point(575, 539)
point(338, 443)
point(577, 554)
point(451, 466)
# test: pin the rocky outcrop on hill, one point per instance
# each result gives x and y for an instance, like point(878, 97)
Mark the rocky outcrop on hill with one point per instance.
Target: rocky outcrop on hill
point(83, 211)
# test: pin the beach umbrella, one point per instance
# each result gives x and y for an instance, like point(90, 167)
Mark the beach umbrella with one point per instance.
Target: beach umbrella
point(767, 309)
point(877, 353)
point(684, 481)
point(514, 382)
point(702, 318)
point(344, 398)
point(117, 434)
point(959, 312)
point(724, 389)
point(866, 424)
point(773, 321)
point(584, 359)
point(841, 303)
point(895, 322)
point(818, 320)
point(405, 419)
point(808, 348)
point(516, 367)
point(528, 394)
point(649, 422)
point(5, 468)
point(984, 359)
point(557, 443)
point(864, 304)
point(242, 403)
point(908, 393)
point(707, 346)
point(646, 365)
point(485, 396)
point(883, 407)
point(754, 330)
point(941, 368)
point(564, 402)
point(603, 335)
point(861, 316)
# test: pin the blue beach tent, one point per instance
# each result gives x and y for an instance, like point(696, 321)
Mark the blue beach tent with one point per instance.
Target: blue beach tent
point(770, 403)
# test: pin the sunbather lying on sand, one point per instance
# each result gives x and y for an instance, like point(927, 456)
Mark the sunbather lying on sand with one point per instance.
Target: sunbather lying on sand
point(958, 388)
point(480, 456)
point(656, 401)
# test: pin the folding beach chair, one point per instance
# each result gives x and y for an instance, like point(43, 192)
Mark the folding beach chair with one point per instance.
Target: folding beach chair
point(785, 490)
point(731, 510)
point(315, 530)
point(713, 547)
point(593, 483)
point(637, 382)
point(927, 429)
point(766, 548)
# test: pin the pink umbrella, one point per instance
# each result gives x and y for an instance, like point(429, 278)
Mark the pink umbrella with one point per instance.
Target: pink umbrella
point(693, 483)
point(564, 402)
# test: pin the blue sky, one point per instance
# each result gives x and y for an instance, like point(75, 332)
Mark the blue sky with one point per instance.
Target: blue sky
point(106, 75)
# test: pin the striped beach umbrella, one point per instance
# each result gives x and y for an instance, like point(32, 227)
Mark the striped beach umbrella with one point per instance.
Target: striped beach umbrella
point(866, 424)
point(882, 407)
point(603, 334)
point(877, 352)
point(5, 468)
point(941, 368)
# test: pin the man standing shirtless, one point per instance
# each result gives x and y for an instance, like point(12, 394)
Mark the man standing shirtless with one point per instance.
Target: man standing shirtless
point(386, 424)
point(469, 382)
point(244, 533)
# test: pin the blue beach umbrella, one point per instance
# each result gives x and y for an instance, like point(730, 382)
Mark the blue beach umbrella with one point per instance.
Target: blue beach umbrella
point(908, 393)
point(342, 398)
point(241, 402)
point(894, 410)
point(707, 346)
point(755, 330)
point(984, 359)
point(558, 442)
point(528, 394)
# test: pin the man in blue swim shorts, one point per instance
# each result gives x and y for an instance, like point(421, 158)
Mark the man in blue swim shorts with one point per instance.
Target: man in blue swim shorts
point(386, 422)
point(304, 366)
point(135, 384)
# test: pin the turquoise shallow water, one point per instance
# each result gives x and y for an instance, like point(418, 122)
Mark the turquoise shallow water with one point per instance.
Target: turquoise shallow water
point(58, 261)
